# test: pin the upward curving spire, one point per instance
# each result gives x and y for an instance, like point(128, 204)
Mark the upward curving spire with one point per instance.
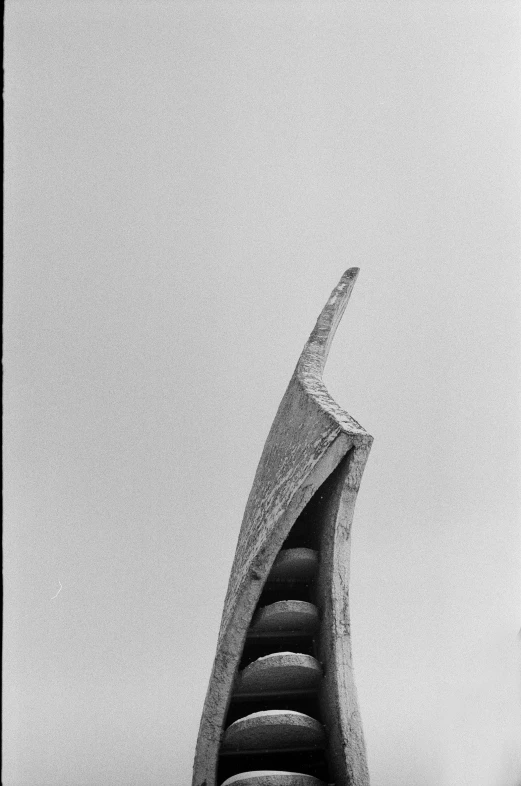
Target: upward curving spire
point(313, 358)
point(281, 706)
point(314, 355)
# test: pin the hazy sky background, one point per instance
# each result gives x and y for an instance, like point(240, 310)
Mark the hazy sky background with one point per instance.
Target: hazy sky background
point(186, 182)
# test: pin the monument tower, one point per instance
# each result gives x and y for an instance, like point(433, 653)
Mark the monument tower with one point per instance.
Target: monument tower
point(281, 707)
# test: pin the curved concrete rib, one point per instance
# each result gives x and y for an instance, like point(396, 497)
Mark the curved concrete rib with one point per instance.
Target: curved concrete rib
point(313, 444)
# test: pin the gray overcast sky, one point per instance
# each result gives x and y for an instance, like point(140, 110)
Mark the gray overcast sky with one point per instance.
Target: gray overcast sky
point(186, 182)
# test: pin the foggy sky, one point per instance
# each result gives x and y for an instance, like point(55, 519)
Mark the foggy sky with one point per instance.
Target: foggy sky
point(185, 184)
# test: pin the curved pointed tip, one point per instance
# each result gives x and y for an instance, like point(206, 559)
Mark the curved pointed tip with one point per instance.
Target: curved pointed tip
point(350, 274)
point(314, 355)
point(315, 352)
point(348, 277)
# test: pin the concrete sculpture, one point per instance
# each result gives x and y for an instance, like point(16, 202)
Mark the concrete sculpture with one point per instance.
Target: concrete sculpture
point(281, 707)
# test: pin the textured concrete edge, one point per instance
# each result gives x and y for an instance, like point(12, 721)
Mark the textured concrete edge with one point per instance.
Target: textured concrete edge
point(338, 696)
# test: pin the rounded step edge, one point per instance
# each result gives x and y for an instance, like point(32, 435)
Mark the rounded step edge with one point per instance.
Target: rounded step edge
point(295, 616)
point(275, 730)
point(278, 672)
point(298, 564)
point(272, 778)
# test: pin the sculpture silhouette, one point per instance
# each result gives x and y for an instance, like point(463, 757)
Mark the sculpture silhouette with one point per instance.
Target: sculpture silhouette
point(281, 707)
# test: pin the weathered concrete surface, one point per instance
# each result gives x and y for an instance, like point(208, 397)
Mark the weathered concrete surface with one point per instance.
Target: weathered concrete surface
point(278, 673)
point(274, 729)
point(338, 698)
point(309, 438)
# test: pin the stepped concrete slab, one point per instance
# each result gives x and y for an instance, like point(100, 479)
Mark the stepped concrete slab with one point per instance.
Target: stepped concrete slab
point(274, 730)
point(299, 564)
point(280, 672)
point(285, 616)
point(272, 778)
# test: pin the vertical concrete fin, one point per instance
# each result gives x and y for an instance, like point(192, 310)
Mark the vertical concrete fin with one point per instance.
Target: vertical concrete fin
point(292, 501)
